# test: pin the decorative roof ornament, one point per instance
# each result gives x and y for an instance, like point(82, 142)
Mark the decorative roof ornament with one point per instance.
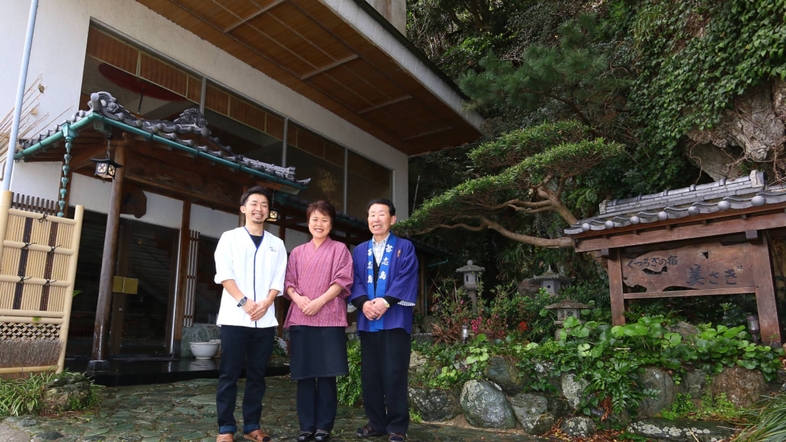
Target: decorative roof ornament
point(191, 121)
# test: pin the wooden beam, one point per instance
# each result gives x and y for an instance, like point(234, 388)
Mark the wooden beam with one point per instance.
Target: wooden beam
point(616, 288)
point(726, 226)
point(427, 133)
point(84, 157)
point(183, 194)
point(765, 294)
point(101, 330)
point(690, 293)
point(263, 10)
point(387, 103)
point(330, 66)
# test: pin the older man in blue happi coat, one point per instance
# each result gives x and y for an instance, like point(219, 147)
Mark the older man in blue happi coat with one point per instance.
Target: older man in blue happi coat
point(384, 290)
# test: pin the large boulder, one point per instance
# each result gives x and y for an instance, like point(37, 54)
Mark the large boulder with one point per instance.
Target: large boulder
point(661, 385)
point(573, 388)
point(503, 372)
point(578, 427)
point(486, 406)
point(743, 387)
point(694, 383)
point(681, 431)
point(537, 413)
point(684, 329)
point(434, 405)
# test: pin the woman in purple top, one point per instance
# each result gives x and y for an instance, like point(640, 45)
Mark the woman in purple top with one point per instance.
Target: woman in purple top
point(319, 276)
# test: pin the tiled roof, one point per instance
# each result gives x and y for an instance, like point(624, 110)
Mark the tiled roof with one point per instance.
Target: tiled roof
point(190, 122)
point(741, 193)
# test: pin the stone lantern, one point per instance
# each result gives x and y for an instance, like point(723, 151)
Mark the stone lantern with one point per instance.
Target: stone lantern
point(471, 272)
point(565, 309)
point(552, 281)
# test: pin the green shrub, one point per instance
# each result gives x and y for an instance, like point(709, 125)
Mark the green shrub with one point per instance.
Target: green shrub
point(349, 387)
point(25, 395)
point(609, 358)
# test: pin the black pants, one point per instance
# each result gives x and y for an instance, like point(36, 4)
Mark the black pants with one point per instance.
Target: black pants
point(239, 343)
point(384, 359)
point(317, 402)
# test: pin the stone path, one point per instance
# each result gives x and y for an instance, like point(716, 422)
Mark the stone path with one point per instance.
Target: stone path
point(185, 411)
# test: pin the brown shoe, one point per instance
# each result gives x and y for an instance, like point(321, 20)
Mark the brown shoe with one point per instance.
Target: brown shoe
point(397, 437)
point(226, 437)
point(257, 436)
point(368, 431)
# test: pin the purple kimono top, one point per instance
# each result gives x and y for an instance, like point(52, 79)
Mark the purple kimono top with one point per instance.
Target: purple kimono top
point(311, 272)
point(402, 284)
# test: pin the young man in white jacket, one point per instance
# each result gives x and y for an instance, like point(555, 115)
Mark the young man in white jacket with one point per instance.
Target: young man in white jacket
point(251, 265)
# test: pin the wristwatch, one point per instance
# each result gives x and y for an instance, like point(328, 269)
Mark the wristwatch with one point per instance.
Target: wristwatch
point(242, 302)
point(387, 304)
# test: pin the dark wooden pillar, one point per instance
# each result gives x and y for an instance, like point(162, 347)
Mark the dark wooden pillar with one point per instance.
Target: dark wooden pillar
point(765, 293)
point(616, 289)
point(103, 308)
point(182, 271)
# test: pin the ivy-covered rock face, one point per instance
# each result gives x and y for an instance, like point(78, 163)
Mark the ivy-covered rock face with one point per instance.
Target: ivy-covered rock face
point(709, 70)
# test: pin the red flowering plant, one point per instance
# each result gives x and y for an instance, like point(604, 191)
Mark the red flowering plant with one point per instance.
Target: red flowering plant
point(452, 309)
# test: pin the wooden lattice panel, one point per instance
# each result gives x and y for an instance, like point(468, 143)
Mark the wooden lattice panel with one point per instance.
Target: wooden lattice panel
point(10, 331)
point(38, 257)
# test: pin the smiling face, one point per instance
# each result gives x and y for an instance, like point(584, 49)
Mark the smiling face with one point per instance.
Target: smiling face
point(256, 209)
point(380, 220)
point(319, 225)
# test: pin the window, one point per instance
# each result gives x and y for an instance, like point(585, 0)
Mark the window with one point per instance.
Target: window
point(140, 82)
point(366, 180)
point(247, 128)
point(321, 160)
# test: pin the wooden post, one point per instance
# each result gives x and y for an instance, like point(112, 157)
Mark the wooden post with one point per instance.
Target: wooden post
point(765, 293)
point(101, 330)
point(616, 289)
point(182, 270)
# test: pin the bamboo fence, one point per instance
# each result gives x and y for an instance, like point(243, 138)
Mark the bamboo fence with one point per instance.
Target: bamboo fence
point(38, 256)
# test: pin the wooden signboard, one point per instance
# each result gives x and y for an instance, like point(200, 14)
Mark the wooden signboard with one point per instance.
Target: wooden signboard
point(697, 270)
point(696, 267)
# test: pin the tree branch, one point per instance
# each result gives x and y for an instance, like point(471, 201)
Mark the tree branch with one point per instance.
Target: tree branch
point(550, 243)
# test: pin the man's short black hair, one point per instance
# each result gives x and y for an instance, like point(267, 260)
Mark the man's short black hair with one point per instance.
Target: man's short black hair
point(257, 190)
point(384, 201)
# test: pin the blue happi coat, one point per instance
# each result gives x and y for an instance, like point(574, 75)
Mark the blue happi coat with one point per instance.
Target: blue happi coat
point(402, 284)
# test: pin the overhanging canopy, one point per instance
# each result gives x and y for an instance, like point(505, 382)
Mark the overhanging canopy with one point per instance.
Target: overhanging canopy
point(312, 49)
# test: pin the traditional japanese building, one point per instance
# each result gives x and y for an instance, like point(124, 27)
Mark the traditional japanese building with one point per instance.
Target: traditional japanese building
point(197, 100)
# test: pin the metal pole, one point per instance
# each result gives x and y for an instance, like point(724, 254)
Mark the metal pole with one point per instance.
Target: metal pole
point(20, 93)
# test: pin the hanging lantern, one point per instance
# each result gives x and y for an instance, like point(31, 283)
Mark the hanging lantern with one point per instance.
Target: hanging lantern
point(105, 167)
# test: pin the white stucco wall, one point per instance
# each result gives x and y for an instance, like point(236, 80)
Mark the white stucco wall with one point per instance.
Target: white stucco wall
point(295, 238)
point(58, 54)
point(94, 195)
point(42, 179)
point(212, 222)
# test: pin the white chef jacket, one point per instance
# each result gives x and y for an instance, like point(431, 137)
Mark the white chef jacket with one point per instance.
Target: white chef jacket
point(256, 271)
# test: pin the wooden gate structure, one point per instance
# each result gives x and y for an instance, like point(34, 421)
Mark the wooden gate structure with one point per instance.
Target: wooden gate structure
point(710, 239)
point(38, 257)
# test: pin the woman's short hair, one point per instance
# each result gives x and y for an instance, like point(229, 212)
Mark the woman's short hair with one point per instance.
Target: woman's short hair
point(323, 207)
